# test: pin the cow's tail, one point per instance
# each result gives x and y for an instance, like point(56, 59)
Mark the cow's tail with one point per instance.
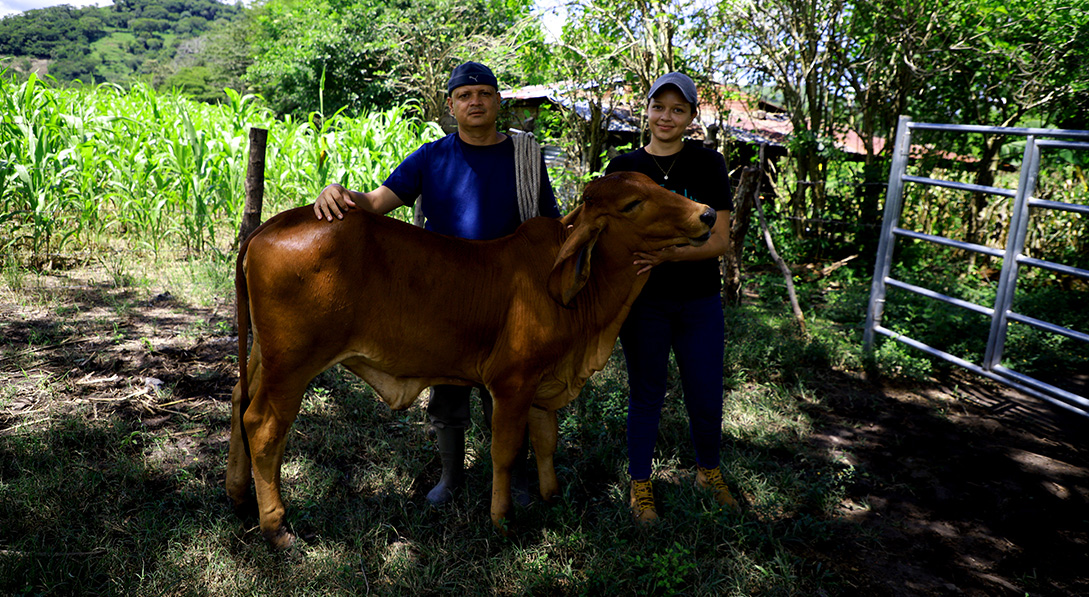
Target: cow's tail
point(242, 298)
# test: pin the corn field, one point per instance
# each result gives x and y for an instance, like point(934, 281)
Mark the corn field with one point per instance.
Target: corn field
point(138, 169)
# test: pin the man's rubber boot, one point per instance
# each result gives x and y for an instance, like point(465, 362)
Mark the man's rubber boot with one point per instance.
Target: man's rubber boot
point(451, 442)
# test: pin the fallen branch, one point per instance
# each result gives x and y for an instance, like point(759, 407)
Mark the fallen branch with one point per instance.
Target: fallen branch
point(798, 316)
point(55, 554)
point(842, 262)
point(88, 381)
point(97, 399)
point(14, 427)
point(48, 347)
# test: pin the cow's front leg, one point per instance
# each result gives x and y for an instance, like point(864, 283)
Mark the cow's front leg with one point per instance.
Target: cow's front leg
point(508, 432)
point(267, 422)
point(543, 430)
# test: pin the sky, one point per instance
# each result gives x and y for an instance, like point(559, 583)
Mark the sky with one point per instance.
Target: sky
point(553, 13)
point(9, 7)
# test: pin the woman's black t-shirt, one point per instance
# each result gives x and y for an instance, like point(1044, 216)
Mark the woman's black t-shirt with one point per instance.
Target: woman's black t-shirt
point(701, 175)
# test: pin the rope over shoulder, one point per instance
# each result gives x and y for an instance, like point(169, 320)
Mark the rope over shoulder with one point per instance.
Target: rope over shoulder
point(527, 174)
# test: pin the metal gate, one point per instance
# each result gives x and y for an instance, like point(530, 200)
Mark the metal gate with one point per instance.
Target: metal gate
point(1000, 314)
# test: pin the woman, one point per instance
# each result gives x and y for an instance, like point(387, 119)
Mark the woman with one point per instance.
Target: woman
point(680, 308)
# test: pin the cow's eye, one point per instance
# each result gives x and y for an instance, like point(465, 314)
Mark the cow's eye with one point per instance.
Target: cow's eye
point(631, 206)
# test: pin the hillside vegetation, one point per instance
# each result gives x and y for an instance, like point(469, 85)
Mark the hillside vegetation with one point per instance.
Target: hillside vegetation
point(131, 39)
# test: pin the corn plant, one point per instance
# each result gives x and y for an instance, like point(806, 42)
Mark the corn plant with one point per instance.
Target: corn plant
point(40, 158)
point(104, 164)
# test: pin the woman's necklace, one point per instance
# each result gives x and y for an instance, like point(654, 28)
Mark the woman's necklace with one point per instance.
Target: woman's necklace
point(665, 171)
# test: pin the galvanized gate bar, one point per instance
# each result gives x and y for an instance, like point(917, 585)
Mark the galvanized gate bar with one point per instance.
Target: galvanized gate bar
point(998, 130)
point(1015, 243)
point(1007, 376)
point(956, 244)
point(894, 198)
point(1056, 144)
point(1041, 386)
point(1047, 327)
point(1055, 267)
point(960, 186)
point(1012, 256)
point(1058, 205)
point(941, 297)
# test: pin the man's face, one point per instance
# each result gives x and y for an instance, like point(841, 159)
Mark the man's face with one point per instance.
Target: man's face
point(474, 105)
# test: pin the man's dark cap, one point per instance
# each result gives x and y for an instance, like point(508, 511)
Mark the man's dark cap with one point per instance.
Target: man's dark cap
point(681, 81)
point(471, 73)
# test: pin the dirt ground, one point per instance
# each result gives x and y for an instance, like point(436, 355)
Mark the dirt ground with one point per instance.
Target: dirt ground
point(962, 487)
point(966, 488)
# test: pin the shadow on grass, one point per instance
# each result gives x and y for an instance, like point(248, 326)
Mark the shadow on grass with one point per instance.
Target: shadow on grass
point(961, 486)
point(853, 488)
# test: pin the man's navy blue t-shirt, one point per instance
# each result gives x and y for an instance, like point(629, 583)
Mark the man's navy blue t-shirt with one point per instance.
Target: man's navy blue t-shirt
point(467, 191)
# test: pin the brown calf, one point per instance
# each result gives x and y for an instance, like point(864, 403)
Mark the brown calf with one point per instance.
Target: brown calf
point(529, 316)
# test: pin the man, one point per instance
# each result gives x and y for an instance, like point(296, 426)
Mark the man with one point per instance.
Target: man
point(467, 187)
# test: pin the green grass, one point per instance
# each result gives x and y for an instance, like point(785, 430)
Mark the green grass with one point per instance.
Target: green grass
point(98, 502)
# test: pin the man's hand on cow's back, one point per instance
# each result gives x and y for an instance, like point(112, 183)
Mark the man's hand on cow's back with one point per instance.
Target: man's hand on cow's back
point(336, 200)
point(333, 200)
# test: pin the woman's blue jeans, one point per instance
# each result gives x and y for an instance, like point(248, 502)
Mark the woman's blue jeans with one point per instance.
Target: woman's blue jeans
point(694, 330)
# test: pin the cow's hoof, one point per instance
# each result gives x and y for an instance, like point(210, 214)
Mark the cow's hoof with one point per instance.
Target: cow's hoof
point(550, 497)
point(280, 539)
point(502, 524)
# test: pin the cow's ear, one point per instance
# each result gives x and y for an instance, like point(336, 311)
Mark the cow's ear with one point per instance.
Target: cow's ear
point(573, 216)
point(572, 267)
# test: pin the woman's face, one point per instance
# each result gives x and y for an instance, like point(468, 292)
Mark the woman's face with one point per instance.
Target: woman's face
point(669, 115)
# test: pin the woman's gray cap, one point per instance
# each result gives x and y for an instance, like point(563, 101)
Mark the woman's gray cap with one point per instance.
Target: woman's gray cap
point(679, 80)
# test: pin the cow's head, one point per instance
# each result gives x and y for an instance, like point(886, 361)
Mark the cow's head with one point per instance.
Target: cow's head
point(637, 213)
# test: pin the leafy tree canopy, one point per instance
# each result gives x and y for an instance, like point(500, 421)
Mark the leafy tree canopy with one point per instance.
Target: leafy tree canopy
point(326, 55)
point(96, 43)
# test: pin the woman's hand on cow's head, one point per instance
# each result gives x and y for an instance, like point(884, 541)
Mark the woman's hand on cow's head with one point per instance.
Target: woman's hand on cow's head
point(333, 200)
point(647, 260)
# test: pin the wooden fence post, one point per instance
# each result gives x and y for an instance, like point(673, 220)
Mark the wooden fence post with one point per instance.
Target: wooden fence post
point(739, 228)
point(746, 198)
point(255, 184)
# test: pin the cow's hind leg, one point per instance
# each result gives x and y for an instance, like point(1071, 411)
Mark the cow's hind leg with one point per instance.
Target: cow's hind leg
point(238, 462)
point(268, 420)
point(543, 429)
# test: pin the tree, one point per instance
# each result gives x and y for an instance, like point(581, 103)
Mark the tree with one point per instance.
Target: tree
point(888, 40)
point(610, 52)
point(428, 39)
point(794, 43)
point(227, 54)
point(588, 64)
point(1004, 63)
point(363, 54)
